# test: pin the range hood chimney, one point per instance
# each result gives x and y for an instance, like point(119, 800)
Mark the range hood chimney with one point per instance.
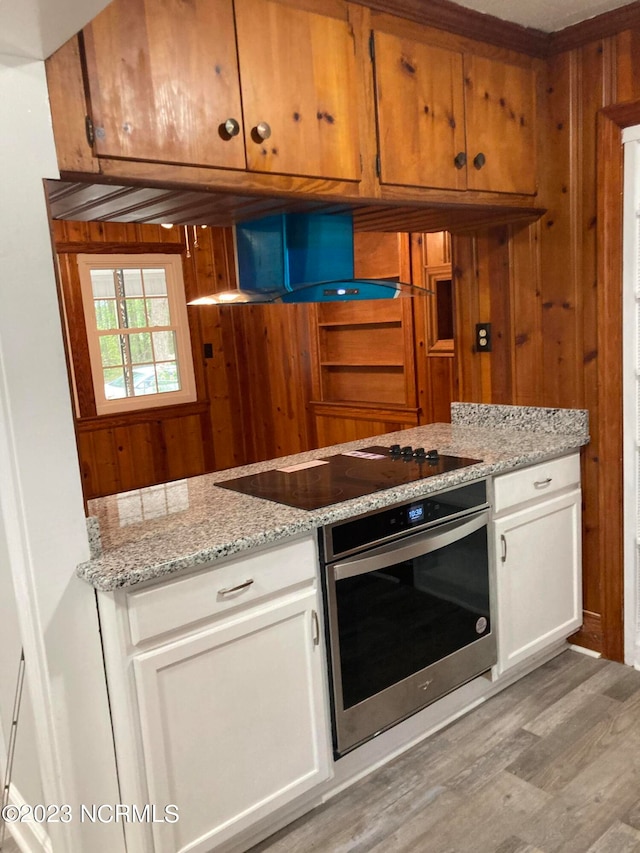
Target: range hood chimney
point(301, 257)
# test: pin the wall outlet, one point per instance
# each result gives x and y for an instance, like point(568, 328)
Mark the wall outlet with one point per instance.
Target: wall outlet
point(483, 337)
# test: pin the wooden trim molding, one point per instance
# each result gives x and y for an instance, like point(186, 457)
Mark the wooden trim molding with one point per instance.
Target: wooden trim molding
point(611, 122)
point(444, 15)
point(364, 411)
point(161, 413)
point(590, 635)
point(602, 26)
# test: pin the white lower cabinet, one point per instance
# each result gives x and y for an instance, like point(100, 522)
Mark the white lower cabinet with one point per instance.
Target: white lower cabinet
point(231, 721)
point(537, 548)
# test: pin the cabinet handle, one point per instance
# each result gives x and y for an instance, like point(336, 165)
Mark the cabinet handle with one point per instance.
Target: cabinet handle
point(232, 127)
point(316, 628)
point(238, 588)
point(479, 160)
point(460, 160)
point(262, 130)
point(542, 484)
point(503, 545)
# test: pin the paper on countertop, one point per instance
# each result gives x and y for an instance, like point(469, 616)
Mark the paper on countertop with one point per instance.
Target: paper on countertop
point(360, 454)
point(302, 465)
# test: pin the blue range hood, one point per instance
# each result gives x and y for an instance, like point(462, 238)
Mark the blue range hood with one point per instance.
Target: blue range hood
point(304, 257)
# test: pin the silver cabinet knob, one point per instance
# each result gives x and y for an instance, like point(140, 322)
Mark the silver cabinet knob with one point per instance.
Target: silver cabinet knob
point(232, 127)
point(263, 130)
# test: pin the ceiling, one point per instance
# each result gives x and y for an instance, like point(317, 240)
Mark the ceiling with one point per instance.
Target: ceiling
point(34, 29)
point(546, 15)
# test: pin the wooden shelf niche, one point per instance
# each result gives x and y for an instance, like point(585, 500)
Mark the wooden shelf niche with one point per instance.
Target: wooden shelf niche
point(363, 366)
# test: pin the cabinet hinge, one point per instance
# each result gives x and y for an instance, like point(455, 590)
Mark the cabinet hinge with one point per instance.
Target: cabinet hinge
point(372, 47)
point(88, 127)
point(378, 165)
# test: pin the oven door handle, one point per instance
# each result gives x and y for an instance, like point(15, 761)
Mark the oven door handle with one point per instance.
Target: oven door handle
point(408, 549)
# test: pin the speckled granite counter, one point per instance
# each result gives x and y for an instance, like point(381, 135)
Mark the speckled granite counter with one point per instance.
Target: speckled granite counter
point(160, 530)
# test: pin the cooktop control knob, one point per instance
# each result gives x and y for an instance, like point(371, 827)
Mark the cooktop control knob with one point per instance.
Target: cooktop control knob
point(394, 450)
point(432, 454)
point(419, 453)
point(407, 451)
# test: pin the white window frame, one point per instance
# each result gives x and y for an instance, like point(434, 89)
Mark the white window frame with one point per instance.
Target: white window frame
point(172, 264)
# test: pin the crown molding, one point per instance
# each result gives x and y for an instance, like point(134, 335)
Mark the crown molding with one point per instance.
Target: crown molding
point(444, 15)
point(602, 26)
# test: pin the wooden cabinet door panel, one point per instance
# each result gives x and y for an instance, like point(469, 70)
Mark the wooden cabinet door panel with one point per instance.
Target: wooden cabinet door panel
point(500, 105)
point(163, 79)
point(420, 113)
point(298, 75)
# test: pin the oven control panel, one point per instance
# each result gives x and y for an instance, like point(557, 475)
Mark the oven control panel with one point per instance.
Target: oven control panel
point(366, 530)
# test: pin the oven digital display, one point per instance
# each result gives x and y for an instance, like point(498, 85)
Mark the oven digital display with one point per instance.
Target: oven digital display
point(415, 513)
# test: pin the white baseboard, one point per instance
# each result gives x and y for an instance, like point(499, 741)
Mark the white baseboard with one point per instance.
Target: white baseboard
point(30, 836)
point(589, 652)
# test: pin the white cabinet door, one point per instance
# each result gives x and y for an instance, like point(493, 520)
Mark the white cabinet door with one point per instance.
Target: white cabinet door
point(539, 586)
point(233, 721)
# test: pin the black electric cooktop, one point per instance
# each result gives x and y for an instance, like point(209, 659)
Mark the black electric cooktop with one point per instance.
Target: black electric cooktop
point(311, 485)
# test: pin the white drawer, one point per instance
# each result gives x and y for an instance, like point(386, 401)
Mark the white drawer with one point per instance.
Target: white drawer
point(535, 482)
point(179, 603)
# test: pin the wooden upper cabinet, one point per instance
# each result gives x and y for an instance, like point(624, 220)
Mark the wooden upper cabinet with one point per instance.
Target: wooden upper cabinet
point(453, 120)
point(163, 80)
point(298, 80)
point(167, 84)
point(500, 101)
point(420, 105)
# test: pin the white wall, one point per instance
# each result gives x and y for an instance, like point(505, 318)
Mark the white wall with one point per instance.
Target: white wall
point(40, 495)
point(26, 769)
point(631, 393)
point(35, 28)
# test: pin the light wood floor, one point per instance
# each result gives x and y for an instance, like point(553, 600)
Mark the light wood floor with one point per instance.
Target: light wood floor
point(550, 764)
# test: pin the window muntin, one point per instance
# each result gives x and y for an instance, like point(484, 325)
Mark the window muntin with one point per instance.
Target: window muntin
point(137, 329)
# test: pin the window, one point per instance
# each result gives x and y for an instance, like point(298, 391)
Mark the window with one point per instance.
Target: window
point(137, 329)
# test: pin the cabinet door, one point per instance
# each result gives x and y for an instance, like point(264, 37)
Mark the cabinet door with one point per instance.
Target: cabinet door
point(538, 557)
point(500, 107)
point(420, 113)
point(163, 80)
point(298, 76)
point(233, 722)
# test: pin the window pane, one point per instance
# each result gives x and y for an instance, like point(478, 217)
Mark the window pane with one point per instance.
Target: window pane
point(164, 346)
point(110, 350)
point(155, 282)
point(140, 346)
point(144, 381)
point(158, 311)
point(106, 314)
point(167, 376)
point(114, 386)
point(132, 282)
point(136, 318)
point(102, 284)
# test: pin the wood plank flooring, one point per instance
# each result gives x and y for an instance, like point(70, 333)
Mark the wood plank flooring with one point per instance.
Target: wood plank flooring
point(550, 765)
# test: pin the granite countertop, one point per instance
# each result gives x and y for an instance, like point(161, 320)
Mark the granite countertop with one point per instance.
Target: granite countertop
point(160, 530)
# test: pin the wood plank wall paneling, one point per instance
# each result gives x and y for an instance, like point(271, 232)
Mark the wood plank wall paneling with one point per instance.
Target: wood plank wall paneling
point(560, 306)
point(252, 394)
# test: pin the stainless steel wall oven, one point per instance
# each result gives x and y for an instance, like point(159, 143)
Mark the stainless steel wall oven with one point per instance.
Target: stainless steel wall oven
point(408, 608)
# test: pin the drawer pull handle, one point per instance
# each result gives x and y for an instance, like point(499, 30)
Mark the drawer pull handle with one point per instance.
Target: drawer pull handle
point(542, 484)
point(316, 628)
point(238, 588)
point(503, 545)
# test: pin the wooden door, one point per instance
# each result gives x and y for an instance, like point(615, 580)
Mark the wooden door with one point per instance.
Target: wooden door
point(234, 721)
point(298, 76)
point(500, 106)
point(420, 113)
point(163, 80)
point(538, 558)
